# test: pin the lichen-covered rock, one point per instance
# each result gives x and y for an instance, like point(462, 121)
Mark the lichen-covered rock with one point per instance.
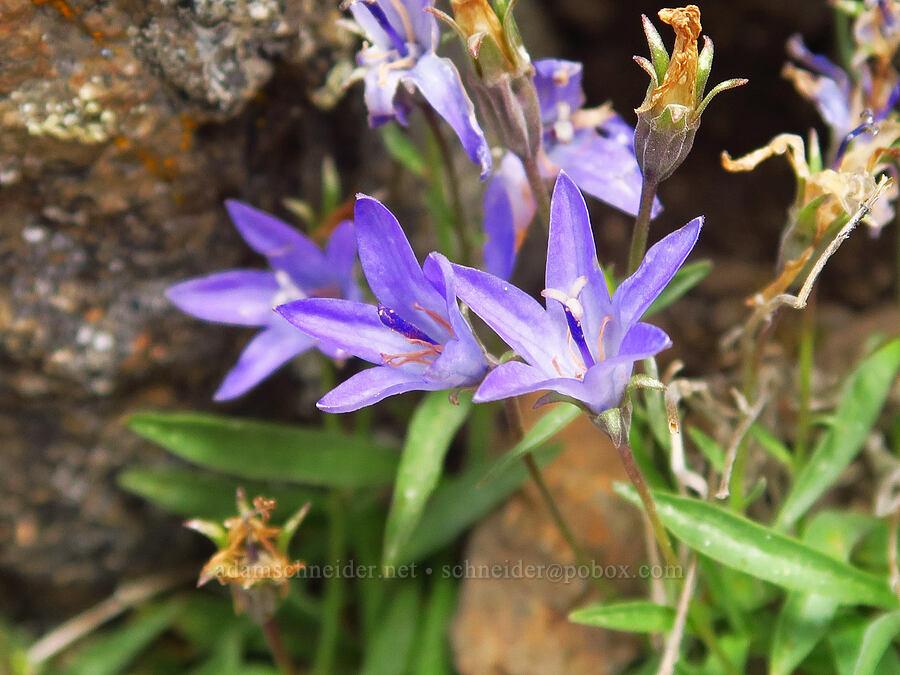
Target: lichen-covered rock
point(123, 126)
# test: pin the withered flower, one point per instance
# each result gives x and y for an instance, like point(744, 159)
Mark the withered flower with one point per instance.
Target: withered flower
point(252, 556)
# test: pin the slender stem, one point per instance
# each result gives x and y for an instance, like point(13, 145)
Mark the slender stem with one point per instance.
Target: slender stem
point(459, 214)
point(642, 224)
point(539, 189)
point(326, 650)
point(276, 646)
point(804, 387)
point(514, 415)
point(634, 475)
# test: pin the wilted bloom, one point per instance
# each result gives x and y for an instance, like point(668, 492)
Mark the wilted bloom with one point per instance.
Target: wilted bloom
point(415, 334)
point(252, 556)
point(403, 38)
point(247, 297)
point(669, 117)
point(593, 146)
point(584, 344)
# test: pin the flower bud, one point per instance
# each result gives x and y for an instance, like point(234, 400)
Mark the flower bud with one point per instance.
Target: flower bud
point(670, 114)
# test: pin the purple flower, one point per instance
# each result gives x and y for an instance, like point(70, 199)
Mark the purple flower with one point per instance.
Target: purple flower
point(403, 38)
point(584, 344)
point(246, 297)
point(593, 146)
point(415, 334)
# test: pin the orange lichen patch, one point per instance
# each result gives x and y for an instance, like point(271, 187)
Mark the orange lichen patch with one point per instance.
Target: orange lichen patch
point(74, 14)
point(93, 315)
point(188, 127)
point(679, 85)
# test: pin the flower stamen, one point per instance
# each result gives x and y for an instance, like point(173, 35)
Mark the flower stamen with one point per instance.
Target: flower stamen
point(437, 318)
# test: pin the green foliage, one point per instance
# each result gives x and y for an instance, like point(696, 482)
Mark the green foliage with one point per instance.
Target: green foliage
point(636, 616)
point(259, 450)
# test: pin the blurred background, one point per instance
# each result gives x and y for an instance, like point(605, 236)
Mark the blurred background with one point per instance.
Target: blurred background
point(125, 125)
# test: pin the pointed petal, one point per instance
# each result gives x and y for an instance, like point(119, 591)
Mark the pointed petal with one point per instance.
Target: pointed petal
point(509, 208)
point(340, 255)
point(264, 354)
point(558, 81)
point(351, 326)
point(637, 292)
point(603, 166)
point(571, 254)
point(462, 362)
point(284, 246)
point(513, 314)
point(643, 341)
point(381, 85)
point(391, 267)
point(371, 386)
point(440, 84)
point(239, 297)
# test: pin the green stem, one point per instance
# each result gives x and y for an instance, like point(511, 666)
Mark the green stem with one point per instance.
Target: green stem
point(328, 381)
point(467, 245)
point(326, 650)
point(276, 646)
point(804, 388)
point(634, 475)
point(539, 189)
point(642, 224)
point(514, 416)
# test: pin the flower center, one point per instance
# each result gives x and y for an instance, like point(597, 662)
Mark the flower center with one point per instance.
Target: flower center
point(379, 15)
point(430, 348)
point(574, 311)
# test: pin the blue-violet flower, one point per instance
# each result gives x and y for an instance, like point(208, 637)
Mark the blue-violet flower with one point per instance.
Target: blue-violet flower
point(415, 334)
point(584, 344)
point(403, 38)
point(247, 297)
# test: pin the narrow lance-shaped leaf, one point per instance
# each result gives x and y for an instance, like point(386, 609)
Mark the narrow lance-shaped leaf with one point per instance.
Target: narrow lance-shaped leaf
point(766, 554)
point(635, 616)
point(862, 400)
point(258, 450)
point(543, 430)
point(804, 618)
point(390, 649)
point(431, 430)
point(876, 641)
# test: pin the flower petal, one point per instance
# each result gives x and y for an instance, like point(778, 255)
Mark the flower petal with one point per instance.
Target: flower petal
point(558, 81)
point(440, 84)
point(510, 379)
point(462, 361)
point(513, 314)
point(264, 354)
point(371, 386)
point(340, 255)
point(509, 208)
point(637, 292)
point(351, 326)
point(284, 246)
point(391, 267)
point(643, 341)
point(238, 297)
point(603, 167)
point(380, 90)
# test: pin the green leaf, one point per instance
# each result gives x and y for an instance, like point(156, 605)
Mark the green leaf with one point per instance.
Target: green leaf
point(261, 450)
point(432, 645)
point(805, 617)
point(459, 502)
point(203, 495)
point(863, 397)
point(431, 430)
point(401, 149)
point(115, 651)
point(708, 446)
point(543, 430)
point(684, 280)
point(876, 640)
point(776, 449)
point(390, 650)
point(846, 636)
point(637, 616)
point(766, 554)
